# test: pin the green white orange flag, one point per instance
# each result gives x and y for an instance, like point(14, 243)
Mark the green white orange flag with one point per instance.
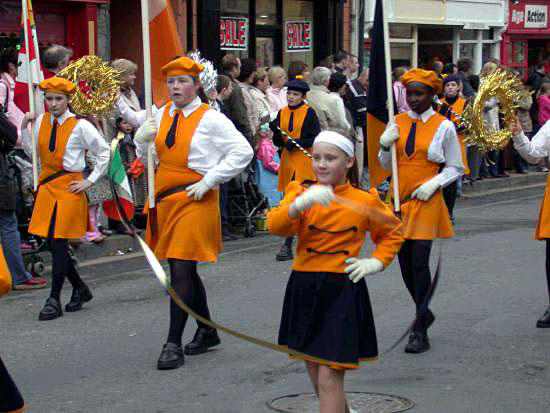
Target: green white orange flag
point(117, 174)
point(165, 44)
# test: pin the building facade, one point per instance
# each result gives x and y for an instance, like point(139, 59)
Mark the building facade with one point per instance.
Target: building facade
point(526, 41)
point(422, 31)
point(73, 23)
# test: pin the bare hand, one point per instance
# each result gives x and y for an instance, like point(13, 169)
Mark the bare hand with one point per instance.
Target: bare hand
point(516, 127)
point(79, 186)
point(29, 117)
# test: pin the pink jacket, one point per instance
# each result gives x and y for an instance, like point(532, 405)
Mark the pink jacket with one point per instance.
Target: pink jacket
point(266, 152)
point(544, 109)
point(276, 98)
point(15, 116)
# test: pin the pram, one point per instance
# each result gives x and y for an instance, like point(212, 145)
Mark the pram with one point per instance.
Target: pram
point(245, 201)
point(21, 169)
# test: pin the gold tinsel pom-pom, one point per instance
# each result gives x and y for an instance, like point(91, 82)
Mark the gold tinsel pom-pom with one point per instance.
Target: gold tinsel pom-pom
point(508, 89)
point(98, 85)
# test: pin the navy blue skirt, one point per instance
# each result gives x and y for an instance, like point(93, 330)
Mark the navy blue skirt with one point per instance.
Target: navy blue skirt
point(327, 316)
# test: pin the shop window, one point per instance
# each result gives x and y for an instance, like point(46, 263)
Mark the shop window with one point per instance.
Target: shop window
point(435, 34)
point(265, 51)
point(487, 34)
point(266, 12)
point(485, 52)
point(467, 50)
point(300, 12)
point(401, 31)
point(236, 9)
point(518, 52)
point(401, 54)
point(467, 34)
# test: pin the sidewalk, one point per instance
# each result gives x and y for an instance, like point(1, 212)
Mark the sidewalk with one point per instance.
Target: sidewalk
point(496, 185)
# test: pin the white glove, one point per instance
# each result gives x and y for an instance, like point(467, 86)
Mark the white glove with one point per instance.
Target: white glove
point(390, 135)
point(317, 194)
point(360, 267)
point(426, 190)
point(146, 132)
point(197, 190)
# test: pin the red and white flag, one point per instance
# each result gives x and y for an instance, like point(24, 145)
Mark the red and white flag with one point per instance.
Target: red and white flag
point(32, 59)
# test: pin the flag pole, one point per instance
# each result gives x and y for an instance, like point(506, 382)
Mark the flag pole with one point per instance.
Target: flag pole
point(148, 96)
point(389, 103)
point(31, 93)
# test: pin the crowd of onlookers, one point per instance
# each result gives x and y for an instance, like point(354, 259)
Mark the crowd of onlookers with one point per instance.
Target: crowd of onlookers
point(251, 96)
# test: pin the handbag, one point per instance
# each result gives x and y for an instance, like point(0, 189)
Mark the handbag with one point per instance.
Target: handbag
point(5, 275)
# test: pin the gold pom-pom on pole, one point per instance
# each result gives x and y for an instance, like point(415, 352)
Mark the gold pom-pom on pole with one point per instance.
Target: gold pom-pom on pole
point(98, 85)
point(508, 89)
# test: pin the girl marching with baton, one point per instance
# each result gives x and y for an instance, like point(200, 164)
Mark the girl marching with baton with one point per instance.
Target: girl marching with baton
point(300, 122)
point(534, 151)
point(196, 148)
point(326, 311)
point(429, 158)
point(61, 210)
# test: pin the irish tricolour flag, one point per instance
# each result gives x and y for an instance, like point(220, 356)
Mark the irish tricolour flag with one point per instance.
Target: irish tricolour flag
point(165, 44)
point(117, 175)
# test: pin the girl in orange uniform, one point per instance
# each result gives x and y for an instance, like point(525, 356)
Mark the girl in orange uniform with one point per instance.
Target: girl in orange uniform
point(319, 294)
point(196, 149)
point(452, 101)
point(534, 151)
point(61, 209)
point(428, 158)
point(300, 122)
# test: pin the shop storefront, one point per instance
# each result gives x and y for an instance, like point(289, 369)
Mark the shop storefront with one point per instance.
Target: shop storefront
point(422, 31)
point(527, 40)
point(273, 32)
point(73, 23)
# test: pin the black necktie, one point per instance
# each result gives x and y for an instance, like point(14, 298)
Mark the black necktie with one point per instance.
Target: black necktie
point(291, 122)
point(51, 146)
point(171, 136)
point(409, 146)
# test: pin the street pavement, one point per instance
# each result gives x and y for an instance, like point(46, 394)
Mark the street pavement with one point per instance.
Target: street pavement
point(486, 356)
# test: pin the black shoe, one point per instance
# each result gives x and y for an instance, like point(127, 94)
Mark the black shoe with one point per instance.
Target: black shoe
point(51, 310)
point(544, 321)
point(171, 357)
point(418, 343)
point(203, 339)
point(105, 231)
point(78, 297)
point(228, 235)
point(284, 254)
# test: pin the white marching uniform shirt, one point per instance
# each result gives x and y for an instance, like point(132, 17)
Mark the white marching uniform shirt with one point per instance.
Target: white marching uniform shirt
point(536, 149)
point(444, 148)
point(84, 137)
point(218, 151)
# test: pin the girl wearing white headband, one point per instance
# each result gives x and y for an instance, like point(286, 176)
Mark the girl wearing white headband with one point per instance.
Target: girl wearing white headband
point(327, 282)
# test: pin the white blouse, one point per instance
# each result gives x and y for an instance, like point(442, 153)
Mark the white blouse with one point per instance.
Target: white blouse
point(218, 151)
point(444, 148)
point(84, 137)
point(536, 149)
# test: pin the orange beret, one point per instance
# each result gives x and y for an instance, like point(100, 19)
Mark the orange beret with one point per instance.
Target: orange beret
point(57, 85)
point(181, 67)
point(426, 77)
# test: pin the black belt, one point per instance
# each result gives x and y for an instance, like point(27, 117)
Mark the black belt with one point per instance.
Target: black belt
point(54, 176)
point(172, 191)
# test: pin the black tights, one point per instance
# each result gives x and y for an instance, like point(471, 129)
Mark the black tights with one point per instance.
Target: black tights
point(414, 259)
point(188, 285)
point(449, 195)
point(548, 267)
point(62, 264)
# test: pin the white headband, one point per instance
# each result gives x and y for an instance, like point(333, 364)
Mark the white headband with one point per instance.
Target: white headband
point(336, 139)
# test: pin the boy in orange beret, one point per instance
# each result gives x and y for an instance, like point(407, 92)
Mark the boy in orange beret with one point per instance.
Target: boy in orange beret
point(196, 148)
point(60, 210)
point(424, 140)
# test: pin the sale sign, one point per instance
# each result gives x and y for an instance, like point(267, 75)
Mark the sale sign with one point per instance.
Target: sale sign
point(233, 33)
point(298, 36)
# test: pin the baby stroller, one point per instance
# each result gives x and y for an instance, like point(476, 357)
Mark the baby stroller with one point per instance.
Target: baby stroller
point(245, 201)
point(21, 169)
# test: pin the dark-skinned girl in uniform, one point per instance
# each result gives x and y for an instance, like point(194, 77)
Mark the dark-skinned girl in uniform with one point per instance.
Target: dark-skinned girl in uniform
point(428, 159)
